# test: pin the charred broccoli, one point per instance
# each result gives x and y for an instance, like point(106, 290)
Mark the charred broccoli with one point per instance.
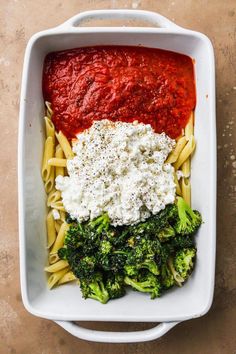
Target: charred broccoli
point(106, 258)
point(184, 262)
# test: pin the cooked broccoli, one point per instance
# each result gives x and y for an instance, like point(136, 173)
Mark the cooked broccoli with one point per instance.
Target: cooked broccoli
point(185, 241)
point(100, 224)
point(184, 261)
point(115, 286)
point(189, 220)
point(166, 233)
point(146, 283)
point(167, 278)
point(83, 268)
point(106, 258)
point(94, 289)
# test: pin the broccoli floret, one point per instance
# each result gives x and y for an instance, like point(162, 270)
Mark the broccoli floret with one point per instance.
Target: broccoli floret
point(74, 236)
point(167, 278)
point(114, 261)
point(166, 233)
point(105, 247)
point(100, 224)
point(146, 283)
point(115, 286)
point(184, 262)
point(150, 265)
point(180, 241)
point(62, 253)
point(131, 270)
point(188, 220)
point(83, 268)
point(94, 289)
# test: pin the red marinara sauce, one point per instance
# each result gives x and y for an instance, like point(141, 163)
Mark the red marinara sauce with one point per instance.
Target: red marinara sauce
point(119, 83)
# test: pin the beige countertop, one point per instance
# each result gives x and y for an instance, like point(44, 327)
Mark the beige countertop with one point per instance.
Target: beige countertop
point(23, 333)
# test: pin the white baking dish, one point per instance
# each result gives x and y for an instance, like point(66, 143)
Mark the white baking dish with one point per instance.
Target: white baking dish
point(65, 304)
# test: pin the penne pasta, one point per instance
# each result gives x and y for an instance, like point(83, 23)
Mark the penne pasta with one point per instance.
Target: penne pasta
point(60, 171)
point(55, 277)
point(58, 205)
point(56, 266)
point(48, 109)
point(57, 226)
point(68, 277)
point(57, 162)
point(189, 127)
point(51, 231)
point(53, 258)
point(178, 189)
point(63, 215)
point(50, 129)
point(60, 238)
point(177, 150)
point(49, 184)
point(48, 154)
point(185, 168)
point(185, 153)
point(186, 190)
point(65, 145)
point(53, 197)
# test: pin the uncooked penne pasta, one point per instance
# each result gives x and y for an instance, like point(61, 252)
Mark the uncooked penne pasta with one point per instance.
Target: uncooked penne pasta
point(69, 276)
point(177, 150)
point(186, 190)
point(50, 129)
point(57, 162)
point(65, 145)
point(185, 153)
point(60, 171)
point(178, 189)
point(49, 184)
point(51, 231)
point(55, 277)
point(53, 258)
point(49, 109)
point(60, 238)
point(189, 127)
point(57, 226)
point(58, 205)
point(185, 168)
point(53, 197)
point(56, 266)
point(63, 215)
point(48, 154)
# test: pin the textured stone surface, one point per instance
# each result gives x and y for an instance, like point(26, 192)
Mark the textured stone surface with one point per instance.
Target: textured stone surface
point(22, 333)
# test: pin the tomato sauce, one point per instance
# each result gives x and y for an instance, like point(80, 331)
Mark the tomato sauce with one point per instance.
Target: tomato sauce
point(121, 83)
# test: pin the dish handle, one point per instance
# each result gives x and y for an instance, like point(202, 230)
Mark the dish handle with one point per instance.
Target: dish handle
point(116, 337)
point(149, 16)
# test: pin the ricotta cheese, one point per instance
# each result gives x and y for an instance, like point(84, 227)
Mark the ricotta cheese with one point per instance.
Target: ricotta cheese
point(118, 168)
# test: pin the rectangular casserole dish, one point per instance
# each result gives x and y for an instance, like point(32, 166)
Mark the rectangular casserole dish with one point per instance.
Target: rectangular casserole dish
point(192, 300)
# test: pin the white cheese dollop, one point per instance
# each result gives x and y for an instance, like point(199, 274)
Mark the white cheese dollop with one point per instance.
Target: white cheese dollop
point(118, 168)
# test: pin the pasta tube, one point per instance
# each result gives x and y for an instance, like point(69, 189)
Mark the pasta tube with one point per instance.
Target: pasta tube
point(60, 238)
point(56, 266)
point(186, 190)
point(51, 231)
point(48, 154)
point(59, 154)
point(57, 162)
point(69, 276)
point(177, 150)
point(65, 145)
point(185, 153)
point(55, 277)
